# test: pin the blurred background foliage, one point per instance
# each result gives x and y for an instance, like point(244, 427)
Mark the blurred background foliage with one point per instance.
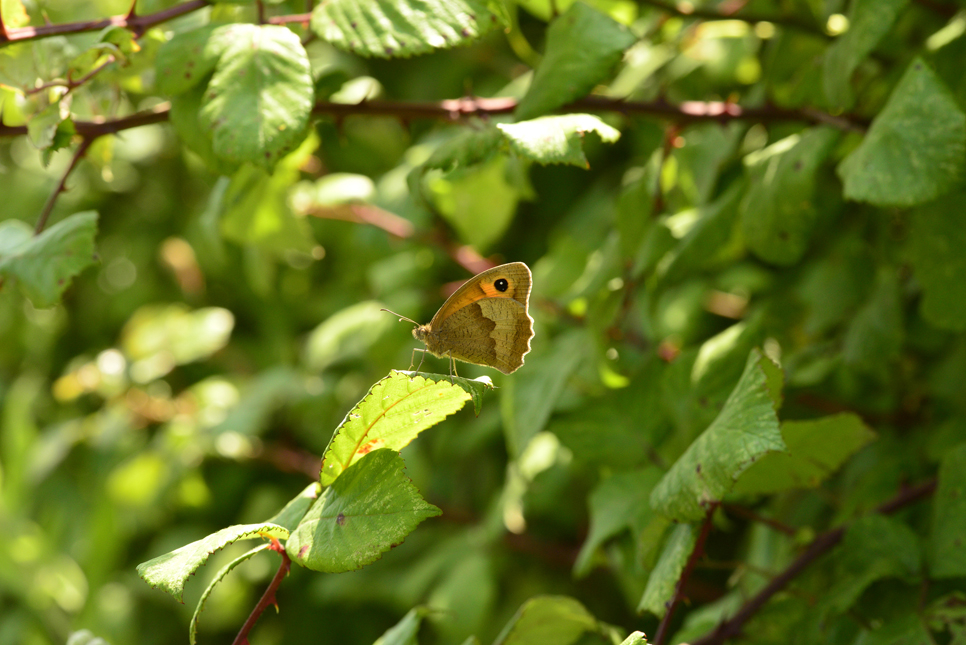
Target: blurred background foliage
point(192, 377)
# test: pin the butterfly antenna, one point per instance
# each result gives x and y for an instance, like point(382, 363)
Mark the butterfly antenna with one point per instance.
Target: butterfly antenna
point(401, 318)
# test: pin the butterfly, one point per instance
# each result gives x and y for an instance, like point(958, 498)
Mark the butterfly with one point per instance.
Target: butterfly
point(485, 322)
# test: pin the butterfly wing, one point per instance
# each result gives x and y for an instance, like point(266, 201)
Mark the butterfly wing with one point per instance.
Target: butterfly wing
point(487, 320)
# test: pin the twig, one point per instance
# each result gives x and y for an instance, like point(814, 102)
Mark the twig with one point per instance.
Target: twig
point(303, 18)
point(749, 514)
point(696, 553)
point(137, 24)
point(460, 109)
point(268, 598)
point(49, 206)
point(70, 83)
point(822, 544)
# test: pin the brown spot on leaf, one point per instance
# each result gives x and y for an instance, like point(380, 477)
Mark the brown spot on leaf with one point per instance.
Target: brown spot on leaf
point(340, 520)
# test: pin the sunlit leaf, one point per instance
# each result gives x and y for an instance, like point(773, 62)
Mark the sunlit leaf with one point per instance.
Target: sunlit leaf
point(556, 139)
point(391, 28)
point(392, 414)
point(370, 508)
point(258, 102)
point(171, 571)
point(583, 46)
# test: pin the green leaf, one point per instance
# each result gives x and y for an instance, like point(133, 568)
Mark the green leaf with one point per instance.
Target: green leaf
point(874, 338)
point(392, 414)
point(947, 547)
point(469, 147)
point(869, 21)
point(171, 571)
point(189, 57)
point(745, 430)
point(547, 620)
point(369, 509)
point(290, 516)
point(635, 638)
point(816, 450)
point(937, 235)
point(916, 148)
point(556, 139)
point(779, 212)
point(45, 264)
point(184, 116)
point(617, 503)
point(388, 28)
point(583, 46)
point(260, 97)
point(664, 578)
point(874, 547)
point(404, 632)
point(222, 573)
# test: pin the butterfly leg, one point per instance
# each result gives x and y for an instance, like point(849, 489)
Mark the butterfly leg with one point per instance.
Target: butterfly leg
point(452, 368)
point(412, 361)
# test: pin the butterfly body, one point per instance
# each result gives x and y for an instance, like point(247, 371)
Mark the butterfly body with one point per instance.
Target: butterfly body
point(486, 321)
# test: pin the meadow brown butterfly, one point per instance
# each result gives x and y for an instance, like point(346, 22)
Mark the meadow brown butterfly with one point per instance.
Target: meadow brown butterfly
point(485, 322)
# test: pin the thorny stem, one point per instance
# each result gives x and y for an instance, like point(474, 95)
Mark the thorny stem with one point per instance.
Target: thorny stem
point(696, 553)
point(49, 206)
point(268, 598)
point(461, 109)
point(137, 24)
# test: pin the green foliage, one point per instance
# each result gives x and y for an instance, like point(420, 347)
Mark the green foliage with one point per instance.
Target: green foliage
point(405, 27)
point(745, 430)
point(170, 571)
point(44, 265)
point(370, 508)
point(743, 413)
point(583, 46)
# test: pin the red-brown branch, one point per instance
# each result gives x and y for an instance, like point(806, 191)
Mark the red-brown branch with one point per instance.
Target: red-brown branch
point(821, 545)
point(460, 109)
point(61, 186)
point(661, 634)
point(137, 24)
point(268, 598)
